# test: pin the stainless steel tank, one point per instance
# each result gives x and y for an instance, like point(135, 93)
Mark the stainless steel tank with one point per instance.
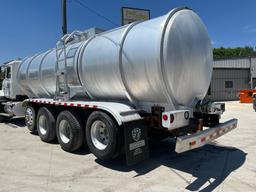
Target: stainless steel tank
point(166, 60)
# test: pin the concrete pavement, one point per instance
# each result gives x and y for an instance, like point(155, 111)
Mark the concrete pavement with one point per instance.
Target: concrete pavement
point(228, 164)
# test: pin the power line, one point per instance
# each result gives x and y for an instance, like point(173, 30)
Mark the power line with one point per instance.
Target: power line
point(95, 12)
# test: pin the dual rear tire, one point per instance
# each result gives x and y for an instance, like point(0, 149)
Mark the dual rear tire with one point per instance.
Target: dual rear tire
point(69, 130)
point(46, 124)
point(101, 133)
point(103, 136)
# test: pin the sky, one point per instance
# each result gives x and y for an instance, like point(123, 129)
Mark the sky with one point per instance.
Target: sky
point(31, 26)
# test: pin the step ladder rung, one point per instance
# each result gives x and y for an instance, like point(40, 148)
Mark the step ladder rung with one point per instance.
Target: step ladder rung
point(61, 80)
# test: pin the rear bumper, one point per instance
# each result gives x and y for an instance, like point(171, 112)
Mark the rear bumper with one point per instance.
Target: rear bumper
point(189, 142)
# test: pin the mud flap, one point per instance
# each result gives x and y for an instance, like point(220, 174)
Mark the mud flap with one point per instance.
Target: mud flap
point(136, 142)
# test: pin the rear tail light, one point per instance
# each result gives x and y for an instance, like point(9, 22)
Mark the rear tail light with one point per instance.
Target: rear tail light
point(203, 139)
point(192, 143)
point(186, 115)
point(171, 118)
point(165, 117)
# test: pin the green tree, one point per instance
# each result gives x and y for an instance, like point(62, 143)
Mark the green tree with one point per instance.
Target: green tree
point(221, 53)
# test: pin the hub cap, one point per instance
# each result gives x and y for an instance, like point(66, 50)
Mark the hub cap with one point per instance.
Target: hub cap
point(65, 131)
point(29, 116)
point(42, 125)
point(99, 135)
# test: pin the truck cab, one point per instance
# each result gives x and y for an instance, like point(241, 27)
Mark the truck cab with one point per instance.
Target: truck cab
point(10, 89)
point(11, 95)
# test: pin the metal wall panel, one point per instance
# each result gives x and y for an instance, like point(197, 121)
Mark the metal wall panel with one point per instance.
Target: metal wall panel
point(253, 67)
point(239, 77)
point(232, 63)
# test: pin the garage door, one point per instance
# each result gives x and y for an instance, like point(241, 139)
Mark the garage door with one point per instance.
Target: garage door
point(226, 83)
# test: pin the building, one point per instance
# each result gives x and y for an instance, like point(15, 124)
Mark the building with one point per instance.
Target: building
point(231, 75)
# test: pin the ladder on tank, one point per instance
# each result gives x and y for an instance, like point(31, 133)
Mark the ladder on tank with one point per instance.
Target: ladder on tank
point(62, 87)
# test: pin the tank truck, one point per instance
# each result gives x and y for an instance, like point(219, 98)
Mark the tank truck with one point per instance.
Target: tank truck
point(114, 90)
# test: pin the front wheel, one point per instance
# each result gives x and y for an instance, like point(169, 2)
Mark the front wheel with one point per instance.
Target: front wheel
point(103, 136)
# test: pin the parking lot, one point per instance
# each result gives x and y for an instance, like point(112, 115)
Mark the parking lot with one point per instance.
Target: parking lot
point(228, 164)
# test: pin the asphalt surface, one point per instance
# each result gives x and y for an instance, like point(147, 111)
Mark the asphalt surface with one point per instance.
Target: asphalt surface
point(228, 164)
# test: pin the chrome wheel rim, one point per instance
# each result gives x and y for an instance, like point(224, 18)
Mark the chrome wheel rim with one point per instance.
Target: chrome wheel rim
point(99, 135)
point(64, 131)
point(29, 116)
point(42, 124)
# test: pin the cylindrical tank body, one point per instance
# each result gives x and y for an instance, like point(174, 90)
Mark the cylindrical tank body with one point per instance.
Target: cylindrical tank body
point(166, 60)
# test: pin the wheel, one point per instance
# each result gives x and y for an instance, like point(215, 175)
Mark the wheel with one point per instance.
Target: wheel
point(46, 124)
point(103, 136)
point(69, 131)
point(30, 118)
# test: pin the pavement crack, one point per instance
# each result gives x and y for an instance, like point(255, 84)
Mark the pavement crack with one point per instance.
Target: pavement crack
point(49, 169)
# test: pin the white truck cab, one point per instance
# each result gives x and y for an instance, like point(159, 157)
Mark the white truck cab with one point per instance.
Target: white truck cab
point(10, 89)
point(11, 96)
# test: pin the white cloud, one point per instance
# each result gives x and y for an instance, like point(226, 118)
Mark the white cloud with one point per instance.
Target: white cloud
point(214, 42)
point(249, 29)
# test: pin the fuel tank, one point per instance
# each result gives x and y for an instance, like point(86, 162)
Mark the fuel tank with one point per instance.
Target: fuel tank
point(165, 60)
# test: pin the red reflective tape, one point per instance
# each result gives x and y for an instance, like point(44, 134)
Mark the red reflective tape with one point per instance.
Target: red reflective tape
point(86, 106)
point(53, 103)
point(203, 139)
point(78, 105)
point(192, 143)
point(94, 106)
point(59, 103)
point(71, 104)
point(65, 104)
point(36, 101)
point(49, 102)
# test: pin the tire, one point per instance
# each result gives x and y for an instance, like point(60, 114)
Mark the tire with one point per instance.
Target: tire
point(46, 124)
point(30, 118)
point(70, 132)
point(2, 119)
point(99, 126)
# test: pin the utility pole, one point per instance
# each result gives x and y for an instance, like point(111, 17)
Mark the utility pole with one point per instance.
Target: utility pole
point(64, 17)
